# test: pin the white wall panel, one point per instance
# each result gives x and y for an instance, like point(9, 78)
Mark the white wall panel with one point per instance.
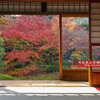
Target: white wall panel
point(95, 40)
point(95, 5)
point(95, 34)
point(95, 11)
point(95, 22)
point(95, 17)
point(95, 28)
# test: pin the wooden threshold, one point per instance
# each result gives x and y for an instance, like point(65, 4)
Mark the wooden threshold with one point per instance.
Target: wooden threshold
point(43, 83)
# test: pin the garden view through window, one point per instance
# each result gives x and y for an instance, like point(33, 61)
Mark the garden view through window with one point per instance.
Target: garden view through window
point(95, 52)
point(96, 57)
point(75, 41)
point(29, 45)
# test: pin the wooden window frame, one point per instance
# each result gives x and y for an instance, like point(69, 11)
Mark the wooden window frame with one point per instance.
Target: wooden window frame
point(60, 23)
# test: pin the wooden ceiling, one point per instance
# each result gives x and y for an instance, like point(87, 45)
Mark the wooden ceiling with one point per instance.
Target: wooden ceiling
point(50, 0)
point(54, 0)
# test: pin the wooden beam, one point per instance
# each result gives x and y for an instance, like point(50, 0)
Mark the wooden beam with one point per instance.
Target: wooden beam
point(41, 13)
point(60, 26)
point(49, 0)
point(90, 48)
point(95, 1)
point(95, 44)
point(75, 15)
point(75, 74)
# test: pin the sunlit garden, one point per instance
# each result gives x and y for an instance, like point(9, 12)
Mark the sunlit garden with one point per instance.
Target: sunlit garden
point(29, 46)
point(75, 41)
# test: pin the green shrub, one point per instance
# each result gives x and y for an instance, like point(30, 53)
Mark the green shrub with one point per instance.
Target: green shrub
point(53, 68)
point(6, 77)
point(66, 63)
point(46, 77)
point(40, 77)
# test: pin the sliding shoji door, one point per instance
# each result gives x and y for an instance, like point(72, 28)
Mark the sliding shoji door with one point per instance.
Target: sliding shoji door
point(95, 41)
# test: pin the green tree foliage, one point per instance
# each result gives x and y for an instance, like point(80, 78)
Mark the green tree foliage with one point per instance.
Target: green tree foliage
point(2, 53)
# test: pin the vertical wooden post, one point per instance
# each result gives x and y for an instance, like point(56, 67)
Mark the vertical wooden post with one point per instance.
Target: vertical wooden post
point(90, 47)
point(60, 25)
